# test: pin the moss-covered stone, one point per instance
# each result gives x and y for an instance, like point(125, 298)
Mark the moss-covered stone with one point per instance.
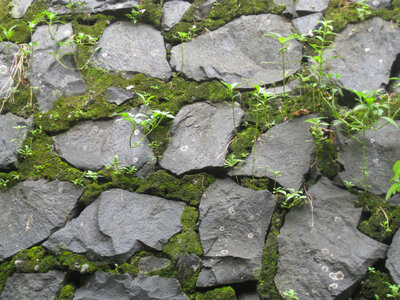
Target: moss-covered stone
point(326, 154)
point(67, 292)
point(225, 293)
point(34, 260)
point(6, 270)
point(376, 284)
point(79, 263)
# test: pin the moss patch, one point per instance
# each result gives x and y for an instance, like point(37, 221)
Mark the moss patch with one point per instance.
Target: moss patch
point(225, 293)
point(34, 260)
point(326, 154)
point(376, 283)
point(6, 270)
point(67, 292)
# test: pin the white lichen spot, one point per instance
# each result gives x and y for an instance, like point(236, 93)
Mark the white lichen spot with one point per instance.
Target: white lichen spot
point(105, 54)
point(376, 3)
point(136, 132)
point(372, 140)
point(259, 230)
point(338, 219)
point(224, 252)
point(376, 160)
point(251, 217)
point(250, 235)
point(333, 286)
point(370, 29)
point(367, 50)
point(222, 228)
point(336, 275)
point(231, 211)
point(3, 69)
point(381, 61)
point(130, 87)
point(324, 269)
point(325, 251)
point(339, 237)
point(184, 148)
point(135, 160)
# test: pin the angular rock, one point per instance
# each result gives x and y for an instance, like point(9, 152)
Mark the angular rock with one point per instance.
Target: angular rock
point(232, 53)
point(287, 147)
point(117, 95)
point(19, 8)
point(6, 59)
point(200, 135)
point(311, 6)
point(249, 296)
point(92, 6)
point(322, 255)
point(233, 225)
point(13, 131)
point(153, 264)
point(393, 258)
point(382, 151)
point(51, 78)
point(129, 49)
point(173, 12)
point(80, 146)
point(118, 224)
point(187, 264)
point(376, 4)
point(32, 210)
point(306, 24)
point(366, 50)
point(33, 286)
point(105, 286)
point(204, 9)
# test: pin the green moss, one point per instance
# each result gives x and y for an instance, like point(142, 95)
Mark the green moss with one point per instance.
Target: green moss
point(6, 270)
point(34, 260)
point(67, 292)
point(153, 13)
point(376, 283)
point(378, 212)
point(243, 142)
point(225, 293)
point(79, 263)
point(266, 285)
point(326, 154)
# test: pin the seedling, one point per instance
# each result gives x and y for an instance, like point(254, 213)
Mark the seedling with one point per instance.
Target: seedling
point(26, 151)
point(136, 13)
point(292, 197)
point(232, 161)
point(395, 188)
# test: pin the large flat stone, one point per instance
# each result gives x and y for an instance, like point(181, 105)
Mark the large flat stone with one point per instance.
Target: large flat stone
point(311, 6)
point(287, 147)
point(173, 12)
point(322, 255)
point(233, 225)
point(393, 258)
point(33, 286)
point(13, 130)
point(232, 53)
point(32, 210)
point(8, 53)
point(119, 224)
point(92, 6)
point(51, 78)
point(19, 8)
point(200, 135)
point(129, 49)
point(382, 151)
point(94, 144)
point(365, 50)
point(106, 286)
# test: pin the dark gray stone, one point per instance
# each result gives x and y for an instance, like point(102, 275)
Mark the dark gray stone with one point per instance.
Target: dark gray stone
point(19, 8)
point(32, 210)
point(382, 151)
point(6, 59)
point(306, 24)
point(200, 136)
point(106, 286)
point(173, 12)
point(118, 224)
point(33, 286)
point(311, 6)
point(232, 53)
point(322, 255)
point(80, 146)
point(204, 9)
point(117, 95)
point(13, 131)
point(51, 78)
point(233, 225)
point(376, 4)
point(129, 49)
point(365, 50)
point(249, 296)
point(187, 264)
point(153, 264)
point(393, 258)
point(92, 6)
point(287, 147)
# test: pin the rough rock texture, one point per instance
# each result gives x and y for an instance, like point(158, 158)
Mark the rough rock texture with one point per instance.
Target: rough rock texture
point(382, 151)
point(232, 52)
point(6, 81)
point(32, 210)
point(173, 11)
point(321, 253)
point(33, 286)
point(106, 286)
point(203, 10)
point(200, 135)
point(249, 296)
point(19, 8)
point(12, 136)
point(306, 24)
point(376, 4)
point(393, 258)
point(117, 95)
point(48, 75)
point(92, 6)
point(94, 144)
point(366, 50)
point(287, 147)
point(118, 224)
point(129, 49)
point(153, 264)
point(233, 225)
point(311, 6)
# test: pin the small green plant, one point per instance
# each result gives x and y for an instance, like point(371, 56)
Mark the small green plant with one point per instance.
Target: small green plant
point(15, 175)
point(348, 184)
point(92, 175)
point(292, 197)
point(316, 130)
point(363, 9)
point(394, 290)
point(395, 188)
point(232, 94)
point(290, 295)
point(77, 181)
point(136, 13)
point(232, 161)
point(185, 37)
point(75, 6)
point(26, 151)
point(3, 182)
